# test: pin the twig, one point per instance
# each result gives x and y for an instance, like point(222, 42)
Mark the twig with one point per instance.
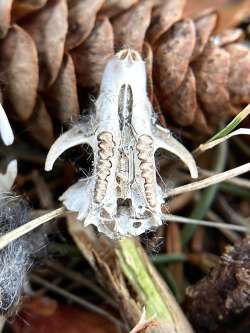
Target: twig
point(24, 229)
point(76, 299)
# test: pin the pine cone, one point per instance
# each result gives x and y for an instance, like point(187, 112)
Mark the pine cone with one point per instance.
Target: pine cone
point(53, 52)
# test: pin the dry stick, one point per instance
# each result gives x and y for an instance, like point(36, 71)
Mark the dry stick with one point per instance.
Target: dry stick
point(221, 177)
point(186, 220)
point(66, 294)
point(24, 229)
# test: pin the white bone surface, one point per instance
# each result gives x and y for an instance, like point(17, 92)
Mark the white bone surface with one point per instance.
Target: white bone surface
point(122, 196)
point(5, 128)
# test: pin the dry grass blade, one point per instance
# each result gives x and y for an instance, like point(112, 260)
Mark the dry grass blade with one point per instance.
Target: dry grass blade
point(218, 225)
point(241, 182)
point(220, 177)
point(24, 229)
point(210, 144)
point(226, 132)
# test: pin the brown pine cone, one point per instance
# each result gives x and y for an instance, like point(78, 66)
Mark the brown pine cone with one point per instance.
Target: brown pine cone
point(53, 52)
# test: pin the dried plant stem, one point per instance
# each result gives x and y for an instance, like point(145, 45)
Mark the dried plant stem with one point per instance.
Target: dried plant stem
point(207, 196)
point(159, 303)
point(218, 178)
point(66, 294)
point(236, 180)
point(24, 229)
point(187, 220)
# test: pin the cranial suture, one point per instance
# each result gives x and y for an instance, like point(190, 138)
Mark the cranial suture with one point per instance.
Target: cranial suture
point(122, 196)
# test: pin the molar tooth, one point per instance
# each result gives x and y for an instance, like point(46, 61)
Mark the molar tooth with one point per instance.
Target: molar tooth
point(145, 139)
point(145, 166)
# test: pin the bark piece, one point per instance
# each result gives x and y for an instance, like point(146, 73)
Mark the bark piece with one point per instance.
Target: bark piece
point(91, 57)
point(19, 71)
point(211, 71)
point(164, 15)
point(130, 27)
point(40, 126)
point(5, 9)
point(205, 25)
point(82, 16)
point(239, 74)
point(22, 8)
point(125, 270)
point(48, 28)
point(220, 302)
point(172, 56)
point(62, 97)
point(181, 104)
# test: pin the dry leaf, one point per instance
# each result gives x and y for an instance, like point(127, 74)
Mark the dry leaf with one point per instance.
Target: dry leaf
point(130, 27)
point(62, 97)
point(172, 56)
point(5, 9)
point(239, 74)
point(42, 314)
point(82, 16)
point(182, 104)
point(164, 15)
point(91, 57)
point(40, 126)
point(19, 70)
point(48, 28)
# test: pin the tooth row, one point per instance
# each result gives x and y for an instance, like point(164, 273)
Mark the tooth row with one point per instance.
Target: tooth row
point(103, 166)
point(146, 155)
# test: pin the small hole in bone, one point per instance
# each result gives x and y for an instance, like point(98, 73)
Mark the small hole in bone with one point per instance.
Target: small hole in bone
point(137, 225)
point(122, 54)
point(135, 55)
